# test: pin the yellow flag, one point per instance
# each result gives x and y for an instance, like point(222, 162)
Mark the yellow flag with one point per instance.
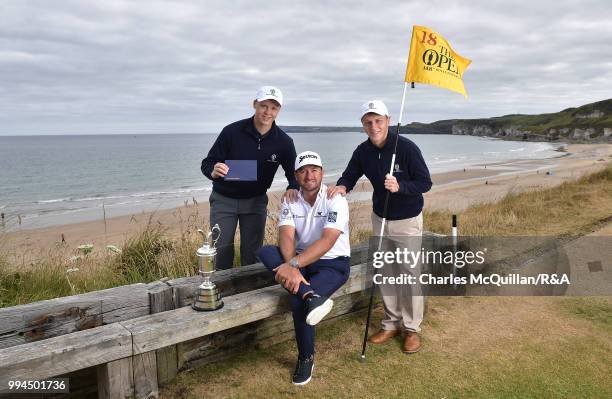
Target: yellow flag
point(433, 61)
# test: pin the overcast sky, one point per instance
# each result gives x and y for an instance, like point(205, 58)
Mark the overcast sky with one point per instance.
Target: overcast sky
point(87, 67)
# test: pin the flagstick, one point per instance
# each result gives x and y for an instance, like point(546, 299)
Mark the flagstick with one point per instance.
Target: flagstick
point(399, 124)
point(382, 225)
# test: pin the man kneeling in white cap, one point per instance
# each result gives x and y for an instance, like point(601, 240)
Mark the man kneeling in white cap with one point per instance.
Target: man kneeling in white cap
point(312, 261)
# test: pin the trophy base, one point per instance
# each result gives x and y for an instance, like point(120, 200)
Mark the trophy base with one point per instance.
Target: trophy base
point(206, 307)
point(207, 300)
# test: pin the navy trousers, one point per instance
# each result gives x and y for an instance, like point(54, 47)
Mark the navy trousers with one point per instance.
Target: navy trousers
point(325, 277)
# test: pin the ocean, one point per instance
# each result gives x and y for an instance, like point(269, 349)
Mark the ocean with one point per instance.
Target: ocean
point(52, 180)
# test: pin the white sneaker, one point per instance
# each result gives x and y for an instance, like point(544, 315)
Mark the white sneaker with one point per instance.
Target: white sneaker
point(317, 307)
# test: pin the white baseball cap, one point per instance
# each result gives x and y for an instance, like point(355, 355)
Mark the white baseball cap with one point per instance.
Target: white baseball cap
point(375, 106)
point(307, 158)
point(269, 93)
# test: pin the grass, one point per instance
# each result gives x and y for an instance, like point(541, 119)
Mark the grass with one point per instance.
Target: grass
point(598, 311)
point(571, 208)
point(472, 350)
point(147, 256)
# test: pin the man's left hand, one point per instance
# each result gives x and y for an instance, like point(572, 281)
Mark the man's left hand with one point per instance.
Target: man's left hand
point(289, 277)
point(391, 183)
point(290, 195)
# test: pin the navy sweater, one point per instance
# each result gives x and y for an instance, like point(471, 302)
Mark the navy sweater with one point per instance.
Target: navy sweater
point(410, 171)
point(240, 140)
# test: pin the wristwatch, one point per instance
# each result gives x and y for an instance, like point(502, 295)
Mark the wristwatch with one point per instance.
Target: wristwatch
point(294, 263)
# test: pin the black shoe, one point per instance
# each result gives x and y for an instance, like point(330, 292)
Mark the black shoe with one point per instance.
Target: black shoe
point(303, 371)
point(317, 307)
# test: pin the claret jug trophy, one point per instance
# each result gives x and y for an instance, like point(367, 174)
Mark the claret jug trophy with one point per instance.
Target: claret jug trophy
point(207, 295)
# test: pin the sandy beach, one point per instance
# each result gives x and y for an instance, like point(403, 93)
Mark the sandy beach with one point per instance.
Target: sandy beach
point(452, 190)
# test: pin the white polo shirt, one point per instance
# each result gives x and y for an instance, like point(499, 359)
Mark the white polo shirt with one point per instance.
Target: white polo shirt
point(309, 221)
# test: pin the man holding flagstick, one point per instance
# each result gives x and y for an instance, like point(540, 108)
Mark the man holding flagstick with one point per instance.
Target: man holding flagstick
point(404, 211)
point(431, 61)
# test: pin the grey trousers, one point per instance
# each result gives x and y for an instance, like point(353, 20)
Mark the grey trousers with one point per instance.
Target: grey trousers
point(251, 214)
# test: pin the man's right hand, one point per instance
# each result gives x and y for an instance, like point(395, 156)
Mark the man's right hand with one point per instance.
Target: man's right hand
point(220, 170)
point(332, 191)
point(289, 277)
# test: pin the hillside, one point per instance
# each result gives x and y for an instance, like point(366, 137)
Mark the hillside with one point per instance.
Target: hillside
point(590, 122)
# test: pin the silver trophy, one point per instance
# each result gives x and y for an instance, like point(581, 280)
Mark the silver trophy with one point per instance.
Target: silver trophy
point(207, 296)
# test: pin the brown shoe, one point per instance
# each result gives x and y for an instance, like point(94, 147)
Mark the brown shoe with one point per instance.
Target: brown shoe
point(383, 336)
point(412, 342)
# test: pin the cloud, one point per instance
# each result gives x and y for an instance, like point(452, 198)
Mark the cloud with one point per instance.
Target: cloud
point(192, 66)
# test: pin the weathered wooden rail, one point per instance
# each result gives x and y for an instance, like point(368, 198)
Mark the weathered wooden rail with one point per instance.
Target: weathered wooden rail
point(128, 340)
point(50, 318)
point(125, 352)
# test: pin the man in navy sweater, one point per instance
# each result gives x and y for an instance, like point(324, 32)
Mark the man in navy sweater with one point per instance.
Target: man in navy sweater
point(245, 202)
point(404, 226)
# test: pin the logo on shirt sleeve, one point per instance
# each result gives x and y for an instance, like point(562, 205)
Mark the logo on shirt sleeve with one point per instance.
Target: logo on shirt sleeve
point(285, 214)
point(332, 217)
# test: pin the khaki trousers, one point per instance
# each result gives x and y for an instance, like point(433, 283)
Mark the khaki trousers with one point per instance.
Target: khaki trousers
point(403, 303)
